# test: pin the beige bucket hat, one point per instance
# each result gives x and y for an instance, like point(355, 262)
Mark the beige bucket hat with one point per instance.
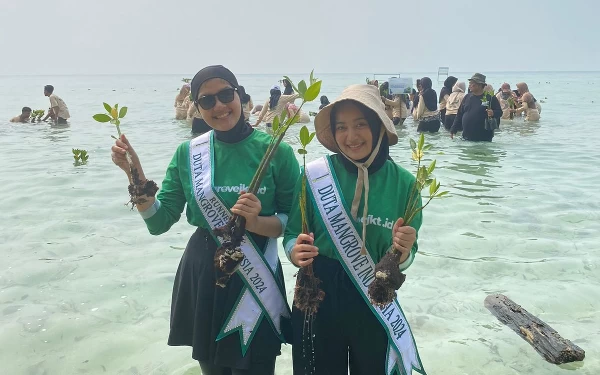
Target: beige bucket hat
point(367, 95)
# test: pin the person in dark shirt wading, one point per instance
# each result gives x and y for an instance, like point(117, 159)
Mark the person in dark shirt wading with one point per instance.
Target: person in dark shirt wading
point(476, 107)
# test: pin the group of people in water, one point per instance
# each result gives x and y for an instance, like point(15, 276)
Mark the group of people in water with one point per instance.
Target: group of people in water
point(58, 111)
point(238, 329)
point(460, 107)
point(277, 102)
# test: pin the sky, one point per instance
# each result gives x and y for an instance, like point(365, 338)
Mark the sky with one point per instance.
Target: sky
point(277, 36)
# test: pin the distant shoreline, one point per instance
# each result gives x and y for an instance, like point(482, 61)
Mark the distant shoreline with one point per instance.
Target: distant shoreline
point(288, 73)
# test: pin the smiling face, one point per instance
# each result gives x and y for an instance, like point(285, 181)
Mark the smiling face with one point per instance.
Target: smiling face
point(352, 132)
point(223, 116)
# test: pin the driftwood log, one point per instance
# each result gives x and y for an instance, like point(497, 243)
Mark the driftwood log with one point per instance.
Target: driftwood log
point(544, 339)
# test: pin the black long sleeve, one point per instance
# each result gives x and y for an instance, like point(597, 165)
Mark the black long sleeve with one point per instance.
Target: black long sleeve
point(457, 124)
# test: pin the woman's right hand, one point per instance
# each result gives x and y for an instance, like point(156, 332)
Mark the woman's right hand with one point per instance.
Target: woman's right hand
point(119, 157)
point(303, 251)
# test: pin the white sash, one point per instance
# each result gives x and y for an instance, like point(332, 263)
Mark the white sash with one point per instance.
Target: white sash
point(262, 296)
point(402, 351)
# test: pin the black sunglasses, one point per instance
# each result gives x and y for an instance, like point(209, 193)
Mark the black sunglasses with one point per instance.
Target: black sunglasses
point(208, 101)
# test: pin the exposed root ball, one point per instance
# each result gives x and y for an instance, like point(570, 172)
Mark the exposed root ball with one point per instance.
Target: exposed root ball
point(388, 279)
point(229, 255)
point(308, 295)
point(138, 189)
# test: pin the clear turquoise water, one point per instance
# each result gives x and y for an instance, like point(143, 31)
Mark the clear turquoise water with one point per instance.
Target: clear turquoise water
point(84, 289)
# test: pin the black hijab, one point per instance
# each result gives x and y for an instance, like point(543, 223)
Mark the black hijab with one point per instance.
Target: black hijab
point(288, 88)
point(447, 89)
point(242, 129)
point(429, 96)
point(376, 127)
point(324, 102)
point(274, 99)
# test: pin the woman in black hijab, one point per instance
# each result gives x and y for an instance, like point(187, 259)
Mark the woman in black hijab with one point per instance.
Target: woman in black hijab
point(289, 90)
point(324, 102)
point(427, 110)
point(229, 330)
point(444, 94)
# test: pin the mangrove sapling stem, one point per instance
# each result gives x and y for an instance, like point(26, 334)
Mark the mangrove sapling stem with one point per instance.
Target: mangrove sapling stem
point(308, 295)
point(388, 277)
point(138, 189)
point(229, 255)
point(240, 221)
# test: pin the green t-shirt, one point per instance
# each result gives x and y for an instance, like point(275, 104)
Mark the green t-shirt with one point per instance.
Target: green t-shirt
point(388, 196)
point(235, 165)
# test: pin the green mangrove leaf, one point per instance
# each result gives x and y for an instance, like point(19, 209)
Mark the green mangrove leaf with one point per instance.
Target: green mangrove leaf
point(421, 141)
point(122, 112)
point(431, 167)
point(441, 194)
point(275, 123)
point(312, 135)
point(283, 116)
point(107, 107)
point(427, 147)
point(413, 144)
point(304, 135)
point(101, 117)
point(293, 120)
point(313, 91)
point(302, 151)
point(114, 113)
point(302, 88)
point(432, 190)
point(312, 75)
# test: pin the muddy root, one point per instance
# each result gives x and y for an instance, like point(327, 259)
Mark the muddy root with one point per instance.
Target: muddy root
point(229, 255)
point(308, 295)
point(388, 279)
point(139, 189)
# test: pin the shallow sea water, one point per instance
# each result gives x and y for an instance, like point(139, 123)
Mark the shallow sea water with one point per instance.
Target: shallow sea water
point(84, 289)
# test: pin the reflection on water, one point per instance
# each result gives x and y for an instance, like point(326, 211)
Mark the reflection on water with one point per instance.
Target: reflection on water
point(477, 158)
point(57, 132)
point(520, 127)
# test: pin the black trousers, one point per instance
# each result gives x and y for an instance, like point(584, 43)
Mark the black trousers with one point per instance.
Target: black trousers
point(398, 121)
point(267, 368)
point(449, 121)
point(346, 332)
point(61, 121)
point(432, 126)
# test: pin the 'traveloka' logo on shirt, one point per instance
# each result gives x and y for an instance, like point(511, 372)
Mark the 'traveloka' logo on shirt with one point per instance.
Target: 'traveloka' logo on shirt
point(238, 188)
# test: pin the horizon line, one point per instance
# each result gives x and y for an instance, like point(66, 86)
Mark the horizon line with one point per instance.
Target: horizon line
point(277, 74)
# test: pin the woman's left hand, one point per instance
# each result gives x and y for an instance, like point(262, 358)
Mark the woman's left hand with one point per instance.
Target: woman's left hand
point(248, 206)
point(403, 238)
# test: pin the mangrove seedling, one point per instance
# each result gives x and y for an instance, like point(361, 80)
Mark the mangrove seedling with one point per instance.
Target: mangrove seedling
point(229, 255)
point(80, 156)
point(138, 189)
point(388, 277)
point(308, 294)
point(511, 105)
point(36, 115)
